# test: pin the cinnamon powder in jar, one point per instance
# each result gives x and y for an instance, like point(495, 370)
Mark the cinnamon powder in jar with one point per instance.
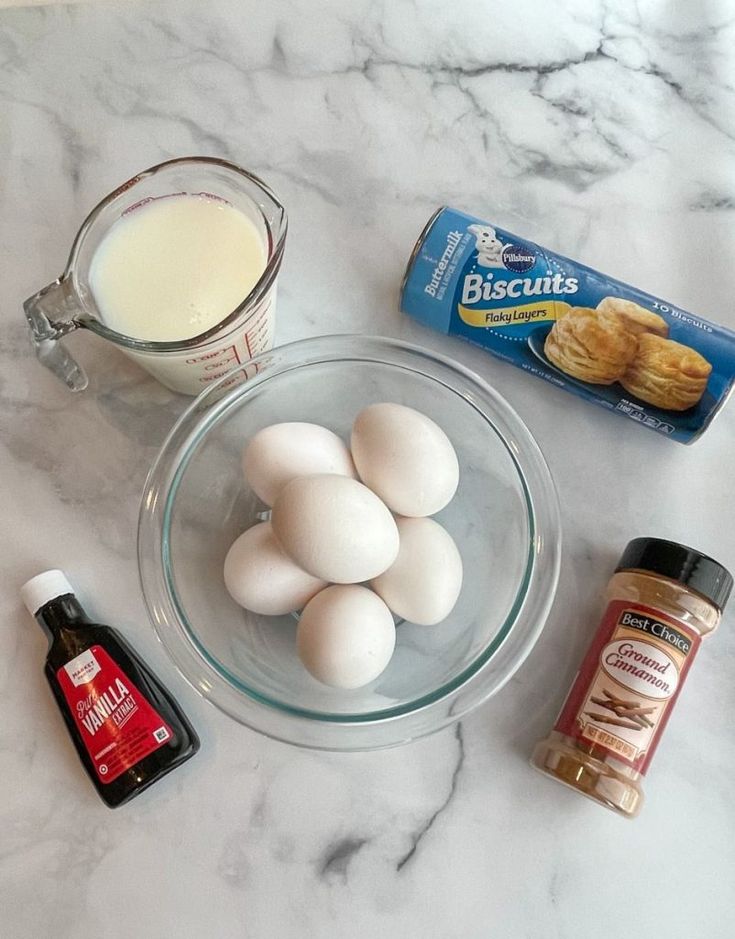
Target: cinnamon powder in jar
point(662, 601)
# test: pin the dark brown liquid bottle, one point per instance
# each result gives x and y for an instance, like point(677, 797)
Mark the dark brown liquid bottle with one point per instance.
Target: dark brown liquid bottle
point(127, 728)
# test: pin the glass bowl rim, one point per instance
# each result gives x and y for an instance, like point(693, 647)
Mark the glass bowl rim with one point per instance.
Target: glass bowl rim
point(252, 707)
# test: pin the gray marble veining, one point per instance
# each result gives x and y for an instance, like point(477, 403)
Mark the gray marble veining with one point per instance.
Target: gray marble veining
point(605, 130)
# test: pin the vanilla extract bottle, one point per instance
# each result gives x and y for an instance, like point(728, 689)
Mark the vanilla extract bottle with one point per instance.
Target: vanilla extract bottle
point(127, 728)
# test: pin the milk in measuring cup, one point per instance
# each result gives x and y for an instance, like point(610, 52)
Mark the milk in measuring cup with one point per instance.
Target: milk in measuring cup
point(174, 268)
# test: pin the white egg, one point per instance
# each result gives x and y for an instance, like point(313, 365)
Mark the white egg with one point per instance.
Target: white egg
point(423, 583)
point(260, 576)
point(346, 636)
point(282, 452)
point(335, 528)
point(405, 458)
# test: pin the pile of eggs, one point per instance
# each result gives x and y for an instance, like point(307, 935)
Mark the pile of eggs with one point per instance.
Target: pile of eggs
point(350, 542)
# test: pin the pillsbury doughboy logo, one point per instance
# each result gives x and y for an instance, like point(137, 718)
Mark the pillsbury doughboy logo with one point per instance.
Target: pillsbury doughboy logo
point(484, 278)
point(489, 248)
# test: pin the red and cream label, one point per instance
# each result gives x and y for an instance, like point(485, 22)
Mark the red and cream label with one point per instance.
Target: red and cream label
point(118, 724)
point(628, 682)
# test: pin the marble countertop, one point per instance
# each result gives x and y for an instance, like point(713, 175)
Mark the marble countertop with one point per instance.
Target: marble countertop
point(604, 130)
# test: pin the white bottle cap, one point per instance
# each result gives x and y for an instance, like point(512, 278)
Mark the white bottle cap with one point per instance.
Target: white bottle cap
point(37, 591)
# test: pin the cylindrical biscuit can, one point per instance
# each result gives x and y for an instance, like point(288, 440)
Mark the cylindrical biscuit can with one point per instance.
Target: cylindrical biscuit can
point(595, 336)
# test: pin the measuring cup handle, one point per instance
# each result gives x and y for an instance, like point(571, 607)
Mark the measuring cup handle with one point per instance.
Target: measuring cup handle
point(51, 314)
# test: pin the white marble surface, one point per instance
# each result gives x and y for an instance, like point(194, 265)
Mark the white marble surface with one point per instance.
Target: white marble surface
point(603, 129)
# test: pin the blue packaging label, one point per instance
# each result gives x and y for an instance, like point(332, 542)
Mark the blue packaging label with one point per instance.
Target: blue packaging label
point(595, 336)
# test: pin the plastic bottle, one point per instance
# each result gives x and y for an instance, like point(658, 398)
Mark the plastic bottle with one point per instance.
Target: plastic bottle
point(663, 599)
point(127, 728)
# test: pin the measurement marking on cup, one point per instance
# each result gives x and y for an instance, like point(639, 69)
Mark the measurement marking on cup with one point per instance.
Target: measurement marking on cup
point(153, 240)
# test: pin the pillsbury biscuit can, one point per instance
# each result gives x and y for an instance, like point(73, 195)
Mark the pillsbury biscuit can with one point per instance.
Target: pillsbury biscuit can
point(579, 329)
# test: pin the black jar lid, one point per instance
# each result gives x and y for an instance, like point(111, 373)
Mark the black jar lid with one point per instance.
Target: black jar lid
point(677, 562)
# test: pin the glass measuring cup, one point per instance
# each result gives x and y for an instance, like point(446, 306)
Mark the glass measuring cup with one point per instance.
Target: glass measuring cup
point(186, 365)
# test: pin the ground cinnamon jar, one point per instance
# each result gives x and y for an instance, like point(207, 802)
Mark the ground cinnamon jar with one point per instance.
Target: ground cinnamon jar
point(663, 599)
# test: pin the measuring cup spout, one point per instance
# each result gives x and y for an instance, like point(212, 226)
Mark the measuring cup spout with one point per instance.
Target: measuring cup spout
point(51, 314)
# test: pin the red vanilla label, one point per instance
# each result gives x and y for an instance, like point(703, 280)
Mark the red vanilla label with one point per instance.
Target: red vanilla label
point(118, 724)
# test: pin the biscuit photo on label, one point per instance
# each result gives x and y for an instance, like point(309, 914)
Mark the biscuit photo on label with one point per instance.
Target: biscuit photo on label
point(667, 374)
point(592, 345)
point(637, 319)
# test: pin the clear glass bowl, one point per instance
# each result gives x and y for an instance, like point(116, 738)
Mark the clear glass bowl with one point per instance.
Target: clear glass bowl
point(504, 518)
